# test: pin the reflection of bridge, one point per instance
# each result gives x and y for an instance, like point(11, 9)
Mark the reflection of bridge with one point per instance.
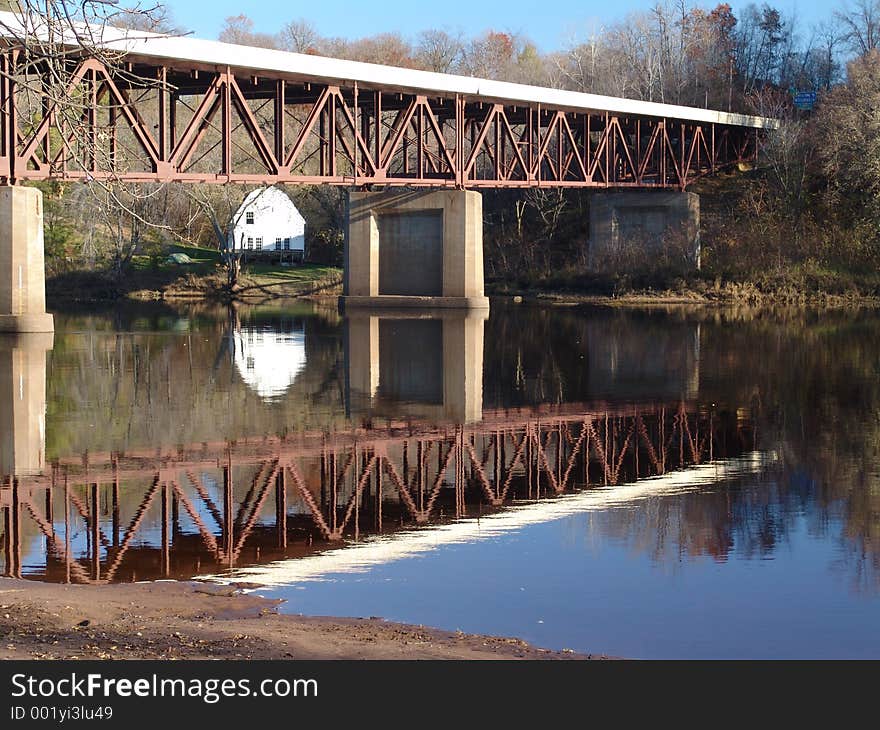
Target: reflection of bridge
point(161, 109)
point(360, 556)
point(180, 512)
point(423, 449)
point(426, 366)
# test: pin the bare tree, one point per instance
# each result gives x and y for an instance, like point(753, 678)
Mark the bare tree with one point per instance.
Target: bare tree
point(47, 41)
point(439, 50)
point(580, 66)
point(860, 26)
point(387, 48)
point(240, 29)
point(221, 206)
point(299, 36)
point(47, 38)
point(849, 137)
point(824, 60)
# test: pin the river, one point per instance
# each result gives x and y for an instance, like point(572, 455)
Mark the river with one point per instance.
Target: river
point(665, 482)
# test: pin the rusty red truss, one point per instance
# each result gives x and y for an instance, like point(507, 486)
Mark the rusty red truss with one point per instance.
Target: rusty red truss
point(190, 122)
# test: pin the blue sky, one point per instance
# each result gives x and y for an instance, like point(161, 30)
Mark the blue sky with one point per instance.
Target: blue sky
point(550, 25)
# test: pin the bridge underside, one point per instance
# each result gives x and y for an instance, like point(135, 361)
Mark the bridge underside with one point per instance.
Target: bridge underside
point(182, 121)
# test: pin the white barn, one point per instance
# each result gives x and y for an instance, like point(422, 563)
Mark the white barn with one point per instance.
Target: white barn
point(268, 223)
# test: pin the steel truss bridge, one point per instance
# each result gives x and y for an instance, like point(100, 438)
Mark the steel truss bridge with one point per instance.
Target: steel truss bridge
point(149, 514)
point(187, 110)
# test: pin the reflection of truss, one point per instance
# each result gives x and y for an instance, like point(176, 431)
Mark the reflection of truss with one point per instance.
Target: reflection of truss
point(193, 123)
point(335, 487)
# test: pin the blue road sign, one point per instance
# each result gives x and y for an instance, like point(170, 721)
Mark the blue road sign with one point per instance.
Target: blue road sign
point(805, 99)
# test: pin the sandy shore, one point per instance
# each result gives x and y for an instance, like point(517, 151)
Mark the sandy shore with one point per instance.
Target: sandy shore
point(170, 620)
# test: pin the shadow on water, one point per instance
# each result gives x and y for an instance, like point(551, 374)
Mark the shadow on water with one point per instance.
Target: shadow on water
point(290, 444)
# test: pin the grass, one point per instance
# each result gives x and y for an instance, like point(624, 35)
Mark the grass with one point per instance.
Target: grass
point(293, 274)
point(203, 260)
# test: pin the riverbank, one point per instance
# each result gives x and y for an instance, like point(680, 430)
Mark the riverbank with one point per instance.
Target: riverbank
point(648, 299)
point(204, 279)
point(177, 620)
point(798, 287)
point(201, 277)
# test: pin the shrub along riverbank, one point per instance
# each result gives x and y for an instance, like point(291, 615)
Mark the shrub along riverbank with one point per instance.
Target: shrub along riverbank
point(805, 284)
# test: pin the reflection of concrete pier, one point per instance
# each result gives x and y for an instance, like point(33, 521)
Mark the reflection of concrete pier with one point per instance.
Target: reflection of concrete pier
point(23, 393)
point(623, 364)
point(420, 364)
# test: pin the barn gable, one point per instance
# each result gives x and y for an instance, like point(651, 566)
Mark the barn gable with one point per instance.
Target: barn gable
point(267, 221)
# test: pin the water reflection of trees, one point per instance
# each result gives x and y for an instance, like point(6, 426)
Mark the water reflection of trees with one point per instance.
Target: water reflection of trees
point(814, 383)
point(569, 354)
point(157, 375)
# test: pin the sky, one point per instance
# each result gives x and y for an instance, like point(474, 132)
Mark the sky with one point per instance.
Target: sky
point(550, 25)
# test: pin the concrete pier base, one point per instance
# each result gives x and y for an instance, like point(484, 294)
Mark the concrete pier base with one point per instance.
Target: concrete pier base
point(23, 395)
point(22, 267)
point(411, 363)
point(628, 228)
point(414, 249)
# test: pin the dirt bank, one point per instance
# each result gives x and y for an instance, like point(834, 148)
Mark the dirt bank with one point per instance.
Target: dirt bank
point(170, 620)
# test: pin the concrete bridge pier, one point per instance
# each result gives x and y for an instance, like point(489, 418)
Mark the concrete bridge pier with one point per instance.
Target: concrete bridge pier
point(22, 267)
point(414, 249)
point(628, 229)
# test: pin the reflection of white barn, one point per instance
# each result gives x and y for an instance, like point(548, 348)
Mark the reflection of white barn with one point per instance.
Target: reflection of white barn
point(268, 222)
point(267, 360)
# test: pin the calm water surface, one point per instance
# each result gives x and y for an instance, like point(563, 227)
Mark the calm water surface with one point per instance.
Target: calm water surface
point(682, 483)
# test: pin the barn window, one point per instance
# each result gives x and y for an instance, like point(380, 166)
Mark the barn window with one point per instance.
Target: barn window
point(250, 242)
point(249, 217)
point(259, 243)
point(277, 244)
point(287, 244)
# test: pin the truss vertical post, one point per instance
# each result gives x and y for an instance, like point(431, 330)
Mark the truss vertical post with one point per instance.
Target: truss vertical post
point(280, 93)
point(226, 111)
point(356, 152)
point(163, 113)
